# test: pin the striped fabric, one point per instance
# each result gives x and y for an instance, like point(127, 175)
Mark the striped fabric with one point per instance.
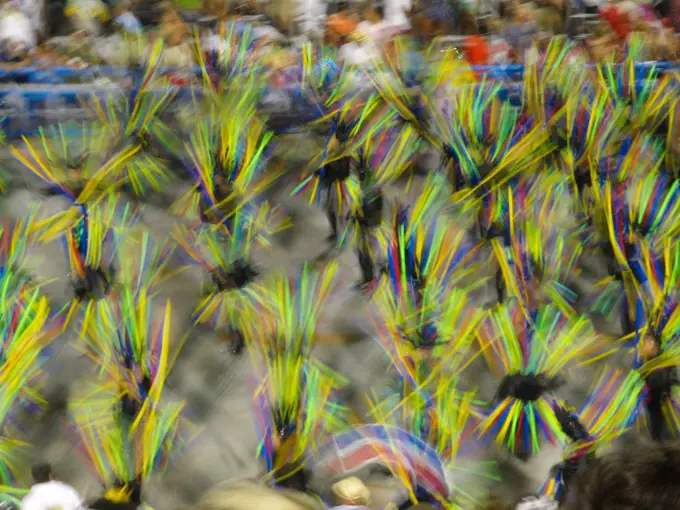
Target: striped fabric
point(393, 447)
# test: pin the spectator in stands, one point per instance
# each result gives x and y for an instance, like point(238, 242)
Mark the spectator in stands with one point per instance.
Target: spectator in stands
point(173, 30)
point(476, 50)
point(641, 477)
point(341, 25)
point(48, 493)
point(87, 15)
point(374, 29)
point(125, 19)
point(17, 34)
point(351, 494)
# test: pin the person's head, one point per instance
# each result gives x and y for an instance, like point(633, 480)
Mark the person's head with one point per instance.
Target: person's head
point(42, 472)
point(351, 491)
point(375, 13)
point(342, 7)
point(641, 477)
point(121, 7)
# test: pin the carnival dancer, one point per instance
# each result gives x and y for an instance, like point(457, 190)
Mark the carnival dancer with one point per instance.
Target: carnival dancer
point(134, 124)
point(542, 252)
point(228, 157)
point(130, 345)
point(529, 350)
point(654, 335)
point(144, 432)
point(87, 226)
point(645, 104)
point(485, 142)
point(295, 394)
point(610, 410)
point(27, 330)
point(353, 119)
point(226, 254)
point(381, 162)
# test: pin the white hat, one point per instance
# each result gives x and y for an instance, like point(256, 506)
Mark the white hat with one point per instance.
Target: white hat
point(352, 490)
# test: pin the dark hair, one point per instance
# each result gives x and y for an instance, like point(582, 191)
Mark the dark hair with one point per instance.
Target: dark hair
point(41, 472)
point(642, 477)
point(379, 9)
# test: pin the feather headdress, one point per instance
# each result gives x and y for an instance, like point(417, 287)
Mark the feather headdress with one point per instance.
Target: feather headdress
point(491, 140)
point(144, 262)
point(27, 330)
point(129, 121)
point(229, 162)
point(225, 254)
point(529, 354)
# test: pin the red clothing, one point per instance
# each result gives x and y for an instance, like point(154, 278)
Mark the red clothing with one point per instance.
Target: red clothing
point(618, 20)
point(476, 50)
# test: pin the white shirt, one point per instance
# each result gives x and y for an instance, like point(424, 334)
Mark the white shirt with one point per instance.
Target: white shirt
point(354, 54)
point(15, 26)
point(377, 33)
point(52, 495)
point(349, 507)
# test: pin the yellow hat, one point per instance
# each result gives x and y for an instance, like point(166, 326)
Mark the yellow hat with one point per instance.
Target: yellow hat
point(352, 490)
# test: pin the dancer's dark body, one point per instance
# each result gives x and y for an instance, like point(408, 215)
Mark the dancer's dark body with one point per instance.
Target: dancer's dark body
point(369, 218)
point(332, 173)
point(525, 388)
point(129, 406)
point(240, 275)
point(135, 498)
point(292, 475)
point(660, 383)
point(571, 466)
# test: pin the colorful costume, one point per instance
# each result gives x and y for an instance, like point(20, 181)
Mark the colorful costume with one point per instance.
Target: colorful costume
point(231, 303)
point(529, 350)
point(295, 396)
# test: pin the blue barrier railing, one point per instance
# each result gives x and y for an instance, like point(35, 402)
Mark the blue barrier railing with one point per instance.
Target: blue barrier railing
point(30, 105)
point(61, 75)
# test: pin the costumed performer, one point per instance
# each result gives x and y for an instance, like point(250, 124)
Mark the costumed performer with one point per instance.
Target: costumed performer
point(485, 142)
point(27, 330)
point(354, 119)
point(130, 343)
point(135, 121)
point(127, 446)
point(528, 351)
point(654, 336)
point(226, 254)
point(544, 250)
point(229, 160)
point(87, 226)
point(630, 205)
point(295, 394)
point(379, 163)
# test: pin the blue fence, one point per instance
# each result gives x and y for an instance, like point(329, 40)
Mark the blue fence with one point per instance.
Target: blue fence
point(65, 75)
point(33, 96)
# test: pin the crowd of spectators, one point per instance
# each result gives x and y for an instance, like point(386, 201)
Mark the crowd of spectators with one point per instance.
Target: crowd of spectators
point(80, 32)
